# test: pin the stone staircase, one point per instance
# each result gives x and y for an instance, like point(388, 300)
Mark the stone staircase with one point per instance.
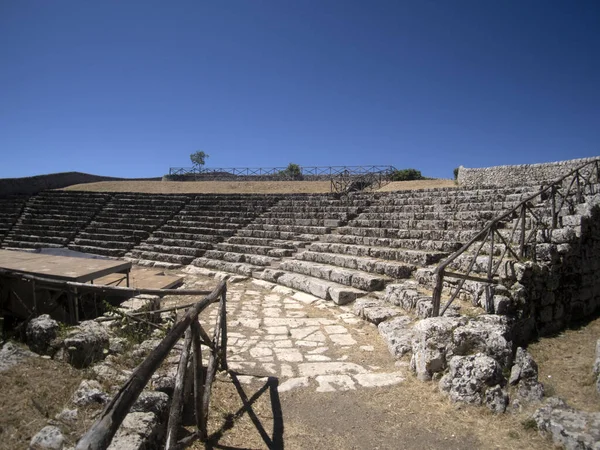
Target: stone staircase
point(292, 224)
point(125, 221)
point(392, 238)
point(10, 211)
point(51, 219)
point(199, 227)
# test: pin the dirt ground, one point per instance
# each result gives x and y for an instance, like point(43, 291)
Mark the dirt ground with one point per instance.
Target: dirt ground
point(241, 187)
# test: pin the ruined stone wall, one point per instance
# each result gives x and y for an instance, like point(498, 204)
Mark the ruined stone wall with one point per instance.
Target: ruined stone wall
point(38, 183)
point(517, 175)
point(563, 285)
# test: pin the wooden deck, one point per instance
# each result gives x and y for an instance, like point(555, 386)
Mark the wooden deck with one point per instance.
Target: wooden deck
point(143, 278)
point(65, 268)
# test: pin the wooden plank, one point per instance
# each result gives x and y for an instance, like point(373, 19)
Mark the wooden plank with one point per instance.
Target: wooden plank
point(64, 268)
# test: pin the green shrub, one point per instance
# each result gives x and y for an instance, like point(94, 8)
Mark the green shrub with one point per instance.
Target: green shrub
point(456, 173)
point(407, 175)
point(293, 171)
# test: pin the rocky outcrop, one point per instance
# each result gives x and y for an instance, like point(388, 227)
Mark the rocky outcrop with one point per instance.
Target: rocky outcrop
point(476, 380)
point(48, 438)
point(524, 374)
point(397, 334)
point(89, 392)
point(41, 331)
point(568, 427)
point(11, 355)
point(85, 344)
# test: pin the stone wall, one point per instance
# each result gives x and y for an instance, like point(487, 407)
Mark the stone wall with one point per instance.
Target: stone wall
point(517, 175)
point(38, 183)
point(562, 286)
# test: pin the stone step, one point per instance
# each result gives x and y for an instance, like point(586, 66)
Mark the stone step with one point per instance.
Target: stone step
point(348, 277)
point(444, 224)
point(282, 235)
point(162, 234)
point(226, 266)
point(149, 263)
point(289, 228)
point(315, 214)
point(390, 235)
point(414, 257)
point(44, 231)
point(25, 244)
point(197, 230)
point(94, 232)
point(106, 237)
point(277, 243)
point(97, 250)
point(327, 290)
point(232, 225)
point(365, 264)
point(35, 238)
point(179, 243)
point(131, 226)
point(254, 250)
point(412, 244)
point(44, 220)
point(434, 215)
point(104, 243)
point(255, 260)
point(168, 250)
point(306, 222)
point(141, 254)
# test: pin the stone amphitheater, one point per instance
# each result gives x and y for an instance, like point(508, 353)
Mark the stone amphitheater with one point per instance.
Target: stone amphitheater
point(361, 256)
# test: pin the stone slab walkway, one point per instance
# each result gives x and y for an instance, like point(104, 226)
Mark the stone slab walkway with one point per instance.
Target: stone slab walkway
point(304, 341)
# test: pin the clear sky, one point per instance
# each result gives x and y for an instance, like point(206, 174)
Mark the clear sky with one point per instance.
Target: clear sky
point(130, 88)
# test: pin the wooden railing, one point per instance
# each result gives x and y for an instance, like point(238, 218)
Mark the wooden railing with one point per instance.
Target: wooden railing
point(561, 195)
point(102, 431)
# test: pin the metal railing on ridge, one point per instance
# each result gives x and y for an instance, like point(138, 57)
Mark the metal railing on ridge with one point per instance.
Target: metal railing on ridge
point(328, 171)
point(566, 192)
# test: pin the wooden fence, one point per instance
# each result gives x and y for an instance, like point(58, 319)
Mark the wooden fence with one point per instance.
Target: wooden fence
point(560, 196)
point(102, 431)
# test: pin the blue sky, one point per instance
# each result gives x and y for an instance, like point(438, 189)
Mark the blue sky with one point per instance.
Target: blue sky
point(131, 88)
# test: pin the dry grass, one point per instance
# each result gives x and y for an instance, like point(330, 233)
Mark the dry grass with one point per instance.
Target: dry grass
point(417, 184)
point(240, 187)
point(207, 187)
point(565, 365)
point(30, 394)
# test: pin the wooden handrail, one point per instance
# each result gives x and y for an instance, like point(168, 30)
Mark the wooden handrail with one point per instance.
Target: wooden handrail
point(440, 270)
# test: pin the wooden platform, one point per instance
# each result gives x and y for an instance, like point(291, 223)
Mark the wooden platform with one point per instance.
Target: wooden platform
point(143, 278)
point(65, 268)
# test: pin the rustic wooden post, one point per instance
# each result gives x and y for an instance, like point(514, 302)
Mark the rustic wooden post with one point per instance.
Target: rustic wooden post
point(554, 213)
point(223, 312)
point(198, 380)
point(178, 397)
point(522, 237)
point(579, 196)
point(437, 293)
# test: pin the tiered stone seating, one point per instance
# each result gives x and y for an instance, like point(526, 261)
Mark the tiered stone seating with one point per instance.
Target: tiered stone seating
point(392, 238)
point(10, 211)
point(125, 221)
point(293, 223)
point(53, 218)
point(199, 226)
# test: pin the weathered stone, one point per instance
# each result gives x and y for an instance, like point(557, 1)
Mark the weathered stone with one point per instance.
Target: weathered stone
point(530, 390)
point(524, 367)
point(469, 378)
point(68, 416)
point(398, 335)
point(138, 431)
point(151, 401)
point(496, 399)
point(11, 355)
point(432, 340)
point(570, 428)
point(489, 334)
point(41, 331)
point(85, 344)
point(48, 438)
point(117, 345)
point(89, 392)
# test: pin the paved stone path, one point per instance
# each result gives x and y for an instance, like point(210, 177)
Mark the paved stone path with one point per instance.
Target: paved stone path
point(304, 341)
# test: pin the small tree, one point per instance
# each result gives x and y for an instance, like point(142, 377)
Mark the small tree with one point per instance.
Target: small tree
point(292, 171)
point(456, 173)
point(198, 159)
